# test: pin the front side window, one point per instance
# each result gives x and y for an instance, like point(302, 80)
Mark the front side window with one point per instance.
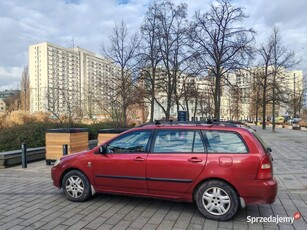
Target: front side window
point(134, 142)
point(174, 141)
point(224, 142)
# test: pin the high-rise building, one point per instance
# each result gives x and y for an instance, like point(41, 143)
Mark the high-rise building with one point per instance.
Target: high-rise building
point(288, 89)
point(68, 80)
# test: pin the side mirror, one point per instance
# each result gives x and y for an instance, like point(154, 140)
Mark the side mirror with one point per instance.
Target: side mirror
point(102, 149)
point(269, 149)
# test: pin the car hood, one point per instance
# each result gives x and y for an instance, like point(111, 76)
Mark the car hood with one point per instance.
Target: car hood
point(73, 155)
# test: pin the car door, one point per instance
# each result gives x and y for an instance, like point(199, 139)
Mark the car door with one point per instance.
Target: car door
point(122, 167)
point(176, 159)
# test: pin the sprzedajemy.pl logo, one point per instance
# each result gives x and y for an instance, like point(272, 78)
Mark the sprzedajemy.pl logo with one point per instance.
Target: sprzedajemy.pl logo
point(273, 219)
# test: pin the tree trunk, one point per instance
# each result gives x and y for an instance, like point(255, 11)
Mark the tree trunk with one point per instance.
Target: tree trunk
point(264, 100)
point(217, 97)
point(152, 104)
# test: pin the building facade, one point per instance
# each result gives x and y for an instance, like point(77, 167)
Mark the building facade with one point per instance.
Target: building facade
point(6, 94)
point(68, 80)
point(288, 86)
point(2, 106)
point(241, 93)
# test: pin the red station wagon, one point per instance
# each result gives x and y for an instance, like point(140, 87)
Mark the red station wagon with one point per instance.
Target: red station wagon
point(218, 166)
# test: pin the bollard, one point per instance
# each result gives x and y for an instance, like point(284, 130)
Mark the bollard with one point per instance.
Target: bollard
point(24, 155)
point(65, 150)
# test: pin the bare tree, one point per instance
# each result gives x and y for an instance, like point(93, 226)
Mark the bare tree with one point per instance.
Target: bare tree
point(122, 52)
point(255, 97)
point(236, 102)
point(282, 59)
point(171, 34)
point(276, 60)
point(12, 102)
point(224, 44)
point(25, 89)
point(191, 95)
point(150, 56)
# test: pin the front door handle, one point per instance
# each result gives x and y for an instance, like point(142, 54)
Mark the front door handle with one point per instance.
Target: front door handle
point(138, 159)
point(195, 160)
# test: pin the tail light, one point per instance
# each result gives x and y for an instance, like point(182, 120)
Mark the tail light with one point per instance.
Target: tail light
point(265, 170)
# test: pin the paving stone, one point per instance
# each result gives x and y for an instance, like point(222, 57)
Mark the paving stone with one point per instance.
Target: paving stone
point(121, 225)
point(185, 216)
point(240, 226)
point(195, 227)
point(175, 211)
point(105, 227)
point(61, 227)
point(226, 225)
point(94, 224)
point(210, 224)
point(150, 226)
point(166, 224)
point(53, 223)
point(159, 216)
point(78, 225)
point(198, 218)
point(139, 222)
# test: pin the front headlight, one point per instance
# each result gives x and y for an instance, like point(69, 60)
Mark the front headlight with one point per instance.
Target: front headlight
point(57, 162)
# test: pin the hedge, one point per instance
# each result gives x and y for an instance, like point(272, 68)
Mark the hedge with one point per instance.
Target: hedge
point(33, 134)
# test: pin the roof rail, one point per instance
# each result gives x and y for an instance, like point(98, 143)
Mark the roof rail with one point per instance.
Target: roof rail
point(208, 122)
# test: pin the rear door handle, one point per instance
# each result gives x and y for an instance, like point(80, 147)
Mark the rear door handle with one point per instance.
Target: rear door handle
point(195, 160)
point(138, 159)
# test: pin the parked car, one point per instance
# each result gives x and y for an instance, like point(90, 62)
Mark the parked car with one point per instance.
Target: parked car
point(296, 120)
point(219, 166)
point(279, 120)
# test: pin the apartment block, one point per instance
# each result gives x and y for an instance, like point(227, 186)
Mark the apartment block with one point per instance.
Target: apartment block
point(238, 95)
point(288, 85)
point(2, 106)
point(68, 80)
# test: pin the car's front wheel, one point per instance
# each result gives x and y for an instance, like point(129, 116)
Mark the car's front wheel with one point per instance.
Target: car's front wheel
point(76, 186)
point(217, 200)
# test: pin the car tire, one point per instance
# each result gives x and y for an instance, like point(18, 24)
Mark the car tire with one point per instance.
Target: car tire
point(76, 186)
point(217, 200)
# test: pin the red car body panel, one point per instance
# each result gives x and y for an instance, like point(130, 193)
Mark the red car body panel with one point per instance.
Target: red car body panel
point(120, 172)
point(173, 175)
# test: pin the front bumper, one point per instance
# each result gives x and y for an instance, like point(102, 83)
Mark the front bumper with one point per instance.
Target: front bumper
point(56, 173)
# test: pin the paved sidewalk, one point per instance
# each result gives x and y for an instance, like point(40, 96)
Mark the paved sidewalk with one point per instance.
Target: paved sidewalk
point(28, 200)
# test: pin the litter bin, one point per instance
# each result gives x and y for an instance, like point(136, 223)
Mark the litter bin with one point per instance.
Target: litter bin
point(75, 138)
point(107, 134)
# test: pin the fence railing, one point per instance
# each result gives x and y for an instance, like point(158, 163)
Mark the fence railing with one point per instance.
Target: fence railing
point(13, 158)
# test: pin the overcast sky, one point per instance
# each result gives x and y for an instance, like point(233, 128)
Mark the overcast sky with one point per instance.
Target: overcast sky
point(88, 23)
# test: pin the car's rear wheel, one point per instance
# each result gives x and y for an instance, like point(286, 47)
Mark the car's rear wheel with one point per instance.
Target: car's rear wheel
point(76, 186)
point(217, 200)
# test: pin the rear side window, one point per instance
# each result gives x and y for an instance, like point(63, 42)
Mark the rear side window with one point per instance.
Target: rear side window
point(224, 142)
point(174, 141)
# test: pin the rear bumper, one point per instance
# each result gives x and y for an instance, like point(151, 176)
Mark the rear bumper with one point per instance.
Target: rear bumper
point(260, 192)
